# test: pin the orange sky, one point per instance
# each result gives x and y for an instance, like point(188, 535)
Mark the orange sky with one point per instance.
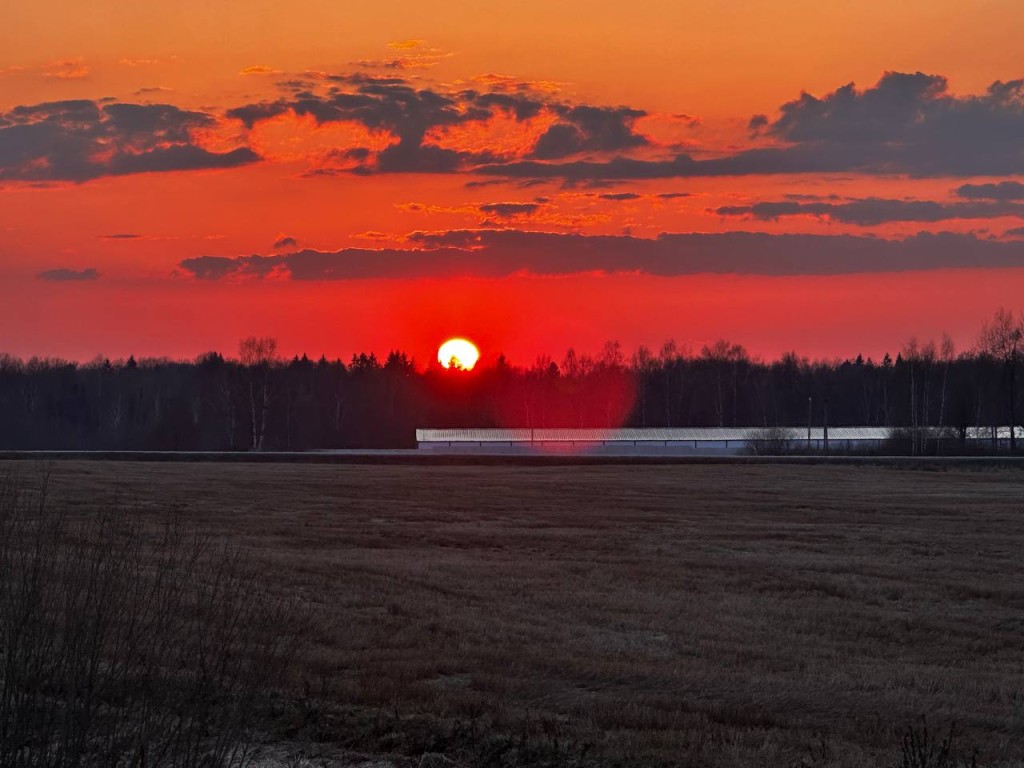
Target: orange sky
point(313, 128)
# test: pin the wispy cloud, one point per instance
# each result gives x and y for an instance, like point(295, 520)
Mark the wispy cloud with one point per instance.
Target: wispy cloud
point(66, 69)
point(503, 252)
point(412, 54)
point(258, 69)
point(406, 45)
point(871, 211)
point(63, 275)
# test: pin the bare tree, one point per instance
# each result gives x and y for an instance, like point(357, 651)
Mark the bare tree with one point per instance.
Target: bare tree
point(1003, 340)
point(723, 354)
point(256, 355)
point(948, 355)
point(910, 354)
point(644, 364)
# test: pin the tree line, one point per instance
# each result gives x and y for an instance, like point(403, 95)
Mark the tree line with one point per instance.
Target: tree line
point(261, 401)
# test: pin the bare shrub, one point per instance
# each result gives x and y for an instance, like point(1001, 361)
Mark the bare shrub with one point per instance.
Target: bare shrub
point(125, 646)
point(770, 441)
point(921, 749)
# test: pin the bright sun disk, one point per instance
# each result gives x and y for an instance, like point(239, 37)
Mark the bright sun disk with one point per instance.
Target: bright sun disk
point(461, 354)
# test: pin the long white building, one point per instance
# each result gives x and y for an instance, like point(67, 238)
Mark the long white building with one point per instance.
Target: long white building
point(696, 441)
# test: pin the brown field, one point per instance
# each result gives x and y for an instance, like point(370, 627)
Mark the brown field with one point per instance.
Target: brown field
point(695, 615)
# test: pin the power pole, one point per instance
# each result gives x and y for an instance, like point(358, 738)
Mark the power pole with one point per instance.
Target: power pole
point(808, 423)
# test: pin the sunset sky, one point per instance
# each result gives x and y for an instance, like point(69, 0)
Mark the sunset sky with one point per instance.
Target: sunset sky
point(827, 177)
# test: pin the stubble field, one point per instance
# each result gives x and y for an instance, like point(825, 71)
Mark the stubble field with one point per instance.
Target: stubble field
point(698, 615)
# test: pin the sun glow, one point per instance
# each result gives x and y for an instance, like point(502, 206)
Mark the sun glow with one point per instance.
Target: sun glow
point(460, 354)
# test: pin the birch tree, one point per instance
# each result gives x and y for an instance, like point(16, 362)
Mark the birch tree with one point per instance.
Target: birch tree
point(1002, 339)
point(256, 355)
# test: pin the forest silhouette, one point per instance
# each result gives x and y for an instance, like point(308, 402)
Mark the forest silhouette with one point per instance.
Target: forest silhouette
point(259, 401)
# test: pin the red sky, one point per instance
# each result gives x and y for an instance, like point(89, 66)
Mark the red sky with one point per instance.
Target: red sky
point(529, 175)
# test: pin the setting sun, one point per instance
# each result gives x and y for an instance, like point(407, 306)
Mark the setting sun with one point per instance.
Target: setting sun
point(458, 353)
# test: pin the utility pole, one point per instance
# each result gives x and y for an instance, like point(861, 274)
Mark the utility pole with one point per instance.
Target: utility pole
point(808, 424)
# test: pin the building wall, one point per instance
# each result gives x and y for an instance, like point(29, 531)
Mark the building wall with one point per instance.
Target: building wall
point(638, 448)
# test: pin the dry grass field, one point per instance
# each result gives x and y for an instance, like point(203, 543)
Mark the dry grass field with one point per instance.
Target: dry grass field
point(694, 615)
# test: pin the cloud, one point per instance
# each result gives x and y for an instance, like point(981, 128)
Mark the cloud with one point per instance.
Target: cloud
point(590, 129)
point(510, 84)
point(500, 253)
point(387, 105)
point(81, 140)
point(416, 116)
point(413, 55)
point(620, 196)
point(63, 274)
point(285, 241)
point(1004, 190)
point(1015, 232)
point(258, 69)
point(120, 236)
point(905, 124)
point(872, 210)
point(486, 183)
point(397, 64)
point(910, 123)
point(508, 210)
point(758, 123)
point(66, 69)
point(405, 45)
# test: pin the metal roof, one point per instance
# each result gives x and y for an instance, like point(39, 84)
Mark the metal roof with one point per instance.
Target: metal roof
point(689, 434)
point(985, 433)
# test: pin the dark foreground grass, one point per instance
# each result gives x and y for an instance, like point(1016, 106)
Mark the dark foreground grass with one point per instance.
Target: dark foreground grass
point(695, 615)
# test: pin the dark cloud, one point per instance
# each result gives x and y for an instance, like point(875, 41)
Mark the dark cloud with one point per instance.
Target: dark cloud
point(871, 211)
point(904, 124)
point(499, 253)
point(508, 210)
point(1003, 190)
point(522, 106)
point(910, 123)
point(82, 140)
point(590, 129)
point(409, 113)
point(62, 275)
point(395, 106)
point(672, 195)
point(285, 241)
point(480, 184)
point(620, 196)
point(121, 236)
point(812, 197)
point(1015, 232)
point(758, 123)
